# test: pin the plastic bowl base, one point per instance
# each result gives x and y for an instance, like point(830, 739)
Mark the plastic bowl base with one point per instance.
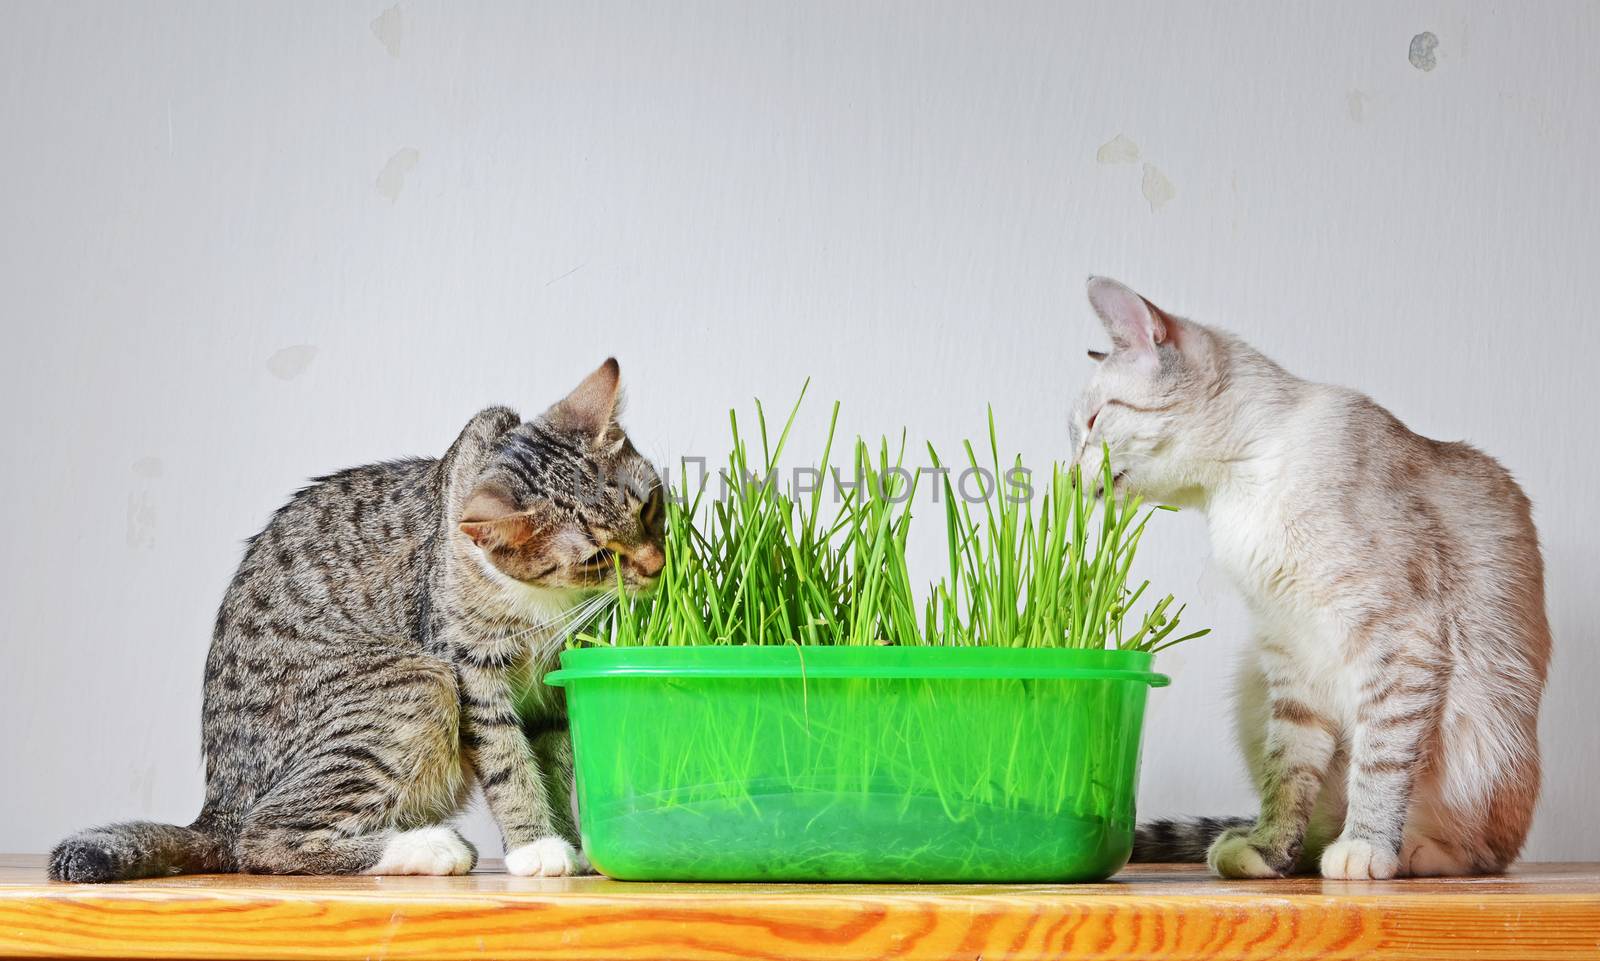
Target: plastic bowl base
point(818, 837)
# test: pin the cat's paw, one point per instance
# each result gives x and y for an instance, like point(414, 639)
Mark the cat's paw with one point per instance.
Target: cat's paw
point(546, 858)
point(1234, 855)
point(85, 857)
point(435, 850)
point(1357, 859)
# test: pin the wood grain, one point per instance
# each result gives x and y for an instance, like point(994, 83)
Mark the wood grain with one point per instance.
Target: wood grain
point(1538, 912)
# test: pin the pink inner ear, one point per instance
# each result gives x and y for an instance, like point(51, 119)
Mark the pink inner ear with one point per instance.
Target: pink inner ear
point(488, 504)
point(512, 531)
point(481, 532)
point(489, 517)
point(1130, 319)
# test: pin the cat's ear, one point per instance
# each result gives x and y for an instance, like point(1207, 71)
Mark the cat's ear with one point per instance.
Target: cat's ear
point(1134, 323)
point(463, 463)
point(593, 405)
point(491, 518)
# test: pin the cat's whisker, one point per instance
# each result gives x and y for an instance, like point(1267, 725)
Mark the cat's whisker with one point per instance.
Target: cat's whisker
point(559, 626)
point(576, 618)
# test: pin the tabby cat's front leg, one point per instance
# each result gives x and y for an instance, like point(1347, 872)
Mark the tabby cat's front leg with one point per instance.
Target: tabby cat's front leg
point(491, 734)
point(1299, 744)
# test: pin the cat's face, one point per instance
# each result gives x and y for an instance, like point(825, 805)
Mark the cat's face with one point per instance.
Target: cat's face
point(566, 502)
point(1147, 401)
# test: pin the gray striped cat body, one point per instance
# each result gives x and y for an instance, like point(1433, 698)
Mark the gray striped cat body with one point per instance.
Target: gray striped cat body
point(371, 651)
point(1388, 707)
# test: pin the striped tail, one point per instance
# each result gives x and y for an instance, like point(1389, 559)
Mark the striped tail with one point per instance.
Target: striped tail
point(1183, 841)
point(139, 849)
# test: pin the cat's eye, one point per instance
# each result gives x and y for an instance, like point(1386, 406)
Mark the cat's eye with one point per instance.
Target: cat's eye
point(650, 514)
point(599, 559)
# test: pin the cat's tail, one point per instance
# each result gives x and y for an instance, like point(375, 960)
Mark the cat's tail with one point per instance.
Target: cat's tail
point(140, 849)
point(1183, 841)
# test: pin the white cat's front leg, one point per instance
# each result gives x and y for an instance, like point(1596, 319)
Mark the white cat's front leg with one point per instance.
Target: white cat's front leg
point(1288, 763)
point(1398, 714)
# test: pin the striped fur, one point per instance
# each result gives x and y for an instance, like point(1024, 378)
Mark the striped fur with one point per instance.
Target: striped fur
point(1181, 841)
point(370, 650)
point(1389, 704)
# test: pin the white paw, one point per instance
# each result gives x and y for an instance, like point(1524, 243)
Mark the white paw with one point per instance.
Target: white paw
point(435, 850)
point(1233, 856)
point(545, 858)
point(1355, 859)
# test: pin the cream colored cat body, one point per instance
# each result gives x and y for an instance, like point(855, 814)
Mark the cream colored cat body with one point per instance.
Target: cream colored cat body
point(1388, 706)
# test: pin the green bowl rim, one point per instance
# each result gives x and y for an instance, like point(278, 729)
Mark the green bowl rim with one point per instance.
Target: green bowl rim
point(792, 661)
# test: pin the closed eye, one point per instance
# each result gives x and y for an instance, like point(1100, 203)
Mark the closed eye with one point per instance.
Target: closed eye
point(601, 558)
point(1124, 404)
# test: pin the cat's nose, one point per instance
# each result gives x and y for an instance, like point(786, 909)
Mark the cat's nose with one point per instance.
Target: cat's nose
point(648, 559)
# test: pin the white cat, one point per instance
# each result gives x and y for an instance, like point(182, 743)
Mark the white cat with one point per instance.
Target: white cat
point(1389, 703)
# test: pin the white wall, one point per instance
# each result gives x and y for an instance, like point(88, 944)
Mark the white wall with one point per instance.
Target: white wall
point(241, 244)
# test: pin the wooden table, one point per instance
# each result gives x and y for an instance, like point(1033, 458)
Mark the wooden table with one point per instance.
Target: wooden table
point(1539, 911)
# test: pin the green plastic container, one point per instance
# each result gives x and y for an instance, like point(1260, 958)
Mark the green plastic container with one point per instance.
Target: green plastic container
point(856, 764)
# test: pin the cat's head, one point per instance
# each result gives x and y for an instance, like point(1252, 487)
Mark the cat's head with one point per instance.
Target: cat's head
point(1152, 400)
point(565, 502)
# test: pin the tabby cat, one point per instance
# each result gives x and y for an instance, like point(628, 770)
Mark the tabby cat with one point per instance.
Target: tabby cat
point(380, 648)
point(1389, 704)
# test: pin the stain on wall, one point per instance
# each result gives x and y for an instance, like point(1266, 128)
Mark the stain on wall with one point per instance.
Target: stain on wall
point(1422, 55)
point(1356, 105)
point(392, 179)
point(569, 273)
point(1117, 150)
point(1158, 190)
point(389, 27)
point(291, 362)
point(140, 533)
